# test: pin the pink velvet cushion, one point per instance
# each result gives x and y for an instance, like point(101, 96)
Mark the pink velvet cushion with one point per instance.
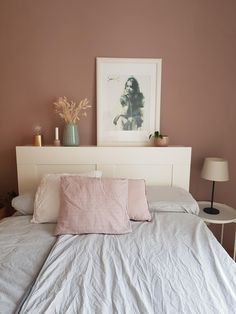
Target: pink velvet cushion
point(137, 203)
point(93, 205)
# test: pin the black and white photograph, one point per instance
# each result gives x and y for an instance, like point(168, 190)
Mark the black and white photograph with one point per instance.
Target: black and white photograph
point(128, 100)
point(132, 107)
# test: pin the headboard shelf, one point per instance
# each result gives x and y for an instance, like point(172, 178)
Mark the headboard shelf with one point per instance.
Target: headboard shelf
point(157, 165)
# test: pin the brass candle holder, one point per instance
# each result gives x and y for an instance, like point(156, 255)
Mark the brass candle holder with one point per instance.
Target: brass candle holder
point(37, 138)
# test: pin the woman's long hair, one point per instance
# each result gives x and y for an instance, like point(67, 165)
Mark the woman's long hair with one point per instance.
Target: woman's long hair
point(135, 84)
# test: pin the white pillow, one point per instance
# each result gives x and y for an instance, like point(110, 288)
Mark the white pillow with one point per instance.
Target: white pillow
point(24, 203)
point(47, 197)
point(171, 199)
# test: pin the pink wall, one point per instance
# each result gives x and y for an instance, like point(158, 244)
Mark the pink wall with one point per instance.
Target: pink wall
point(48, 49)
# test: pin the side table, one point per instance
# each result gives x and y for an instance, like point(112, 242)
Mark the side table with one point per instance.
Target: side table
point(227, 215)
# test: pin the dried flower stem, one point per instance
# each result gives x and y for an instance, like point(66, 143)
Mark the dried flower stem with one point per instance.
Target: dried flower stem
point(69, 110)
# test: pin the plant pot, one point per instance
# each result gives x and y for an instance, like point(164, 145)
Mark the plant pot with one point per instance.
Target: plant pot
point(161, 142)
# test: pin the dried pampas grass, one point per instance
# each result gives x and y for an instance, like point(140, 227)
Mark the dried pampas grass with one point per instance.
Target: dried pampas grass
point(70, 111)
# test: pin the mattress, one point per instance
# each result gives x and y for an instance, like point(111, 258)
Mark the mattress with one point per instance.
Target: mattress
point(173, 264)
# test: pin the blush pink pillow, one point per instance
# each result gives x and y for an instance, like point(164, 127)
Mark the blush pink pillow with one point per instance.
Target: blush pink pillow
point(137, 201)
point(93, 205)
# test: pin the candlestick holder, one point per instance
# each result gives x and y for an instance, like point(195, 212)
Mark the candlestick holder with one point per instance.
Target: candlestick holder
point(57, 143)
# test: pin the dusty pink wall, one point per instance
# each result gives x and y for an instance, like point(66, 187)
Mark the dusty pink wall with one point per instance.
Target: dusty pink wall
point(48, 49)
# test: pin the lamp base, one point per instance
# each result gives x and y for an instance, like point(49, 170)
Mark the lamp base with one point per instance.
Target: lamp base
point(211, 210)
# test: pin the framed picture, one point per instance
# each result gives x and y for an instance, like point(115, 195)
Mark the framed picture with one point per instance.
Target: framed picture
point(128, 101)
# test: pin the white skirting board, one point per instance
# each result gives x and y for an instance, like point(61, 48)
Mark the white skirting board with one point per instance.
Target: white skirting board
point(157, 165)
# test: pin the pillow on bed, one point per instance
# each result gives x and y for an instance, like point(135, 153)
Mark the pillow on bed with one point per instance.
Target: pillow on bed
point(171, 199)
point(137, 201)
point(24, 203)
point(47, 197)
point(92, 205)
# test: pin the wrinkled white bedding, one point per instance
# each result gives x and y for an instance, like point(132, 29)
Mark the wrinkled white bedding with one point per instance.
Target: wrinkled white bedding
point(23, 248)
point(173, 264)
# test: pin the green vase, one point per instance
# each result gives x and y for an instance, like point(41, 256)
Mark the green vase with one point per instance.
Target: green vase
point(70, 135)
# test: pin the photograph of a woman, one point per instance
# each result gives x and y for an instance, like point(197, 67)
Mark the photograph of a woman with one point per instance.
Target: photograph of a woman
point(132, 104)
point(128, 100)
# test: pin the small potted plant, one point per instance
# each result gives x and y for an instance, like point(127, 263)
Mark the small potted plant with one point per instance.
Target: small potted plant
point(159, 139)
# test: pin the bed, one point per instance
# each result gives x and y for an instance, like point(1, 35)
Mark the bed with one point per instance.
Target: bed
point(170, 264)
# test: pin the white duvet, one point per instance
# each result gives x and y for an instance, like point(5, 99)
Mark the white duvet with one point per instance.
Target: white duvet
point(172, 264)
point(23, 249)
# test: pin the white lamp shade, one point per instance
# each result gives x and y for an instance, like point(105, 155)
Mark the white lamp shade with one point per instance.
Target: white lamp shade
point(215, 169)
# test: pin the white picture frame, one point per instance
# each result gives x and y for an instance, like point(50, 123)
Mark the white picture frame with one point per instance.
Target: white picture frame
point(128, 100)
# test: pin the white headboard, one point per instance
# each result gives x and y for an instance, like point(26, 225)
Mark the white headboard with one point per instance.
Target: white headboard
point(157, 165)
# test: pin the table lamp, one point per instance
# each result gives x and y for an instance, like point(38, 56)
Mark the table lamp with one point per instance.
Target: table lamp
point(214, 169)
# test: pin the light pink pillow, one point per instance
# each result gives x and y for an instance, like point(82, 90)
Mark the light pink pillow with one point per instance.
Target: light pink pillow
point(47, 197)
point(137, 201)
point(93, 205)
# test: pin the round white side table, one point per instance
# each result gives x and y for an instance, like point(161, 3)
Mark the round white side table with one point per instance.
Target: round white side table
point(226, 215)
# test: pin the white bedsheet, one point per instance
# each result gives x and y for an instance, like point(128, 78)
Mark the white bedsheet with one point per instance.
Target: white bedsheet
point(23, 248)
point(173, 264)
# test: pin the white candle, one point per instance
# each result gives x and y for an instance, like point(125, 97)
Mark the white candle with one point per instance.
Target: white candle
point(56, 134)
